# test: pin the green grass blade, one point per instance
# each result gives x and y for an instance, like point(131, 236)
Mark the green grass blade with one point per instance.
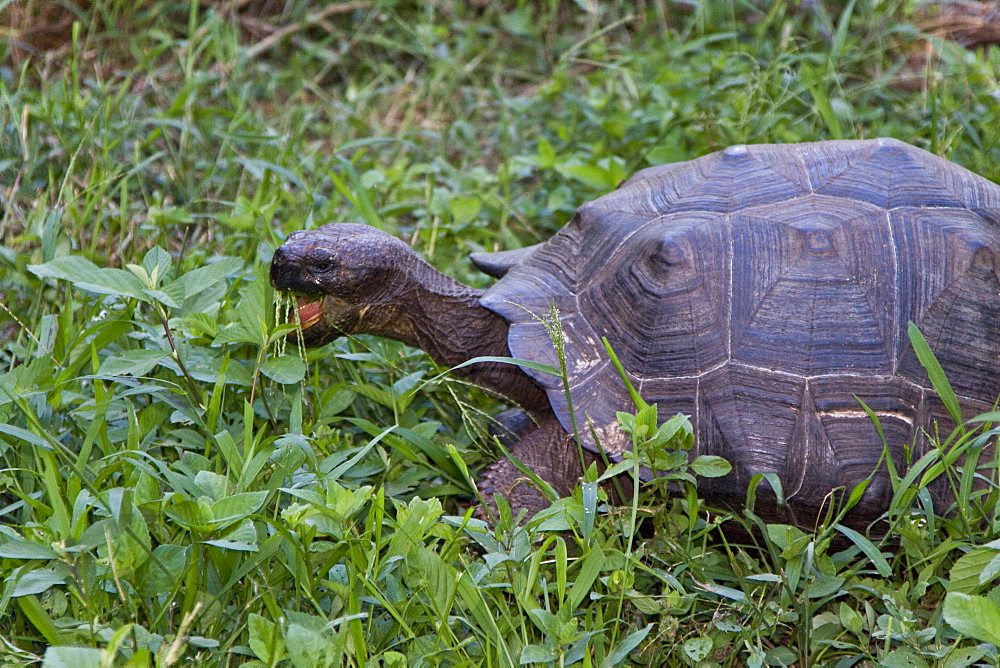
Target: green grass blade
point(840, 37)
point(870, 550)
point(636, 399)
point(537, 366)
point(936, 374)
point(40, 619)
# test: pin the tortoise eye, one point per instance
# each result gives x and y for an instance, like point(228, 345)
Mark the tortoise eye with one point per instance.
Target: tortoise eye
point(323, 266)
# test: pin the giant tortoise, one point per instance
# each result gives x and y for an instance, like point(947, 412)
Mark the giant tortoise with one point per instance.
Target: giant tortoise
point(765, 290)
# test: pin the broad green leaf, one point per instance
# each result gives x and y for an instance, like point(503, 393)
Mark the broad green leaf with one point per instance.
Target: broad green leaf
point(620, 652)
point(40, 619)
point(236, 333)
point(25, 380)
point(412, 523)
point(437, 576)
point(857, 493)
point(157, 263)
point(130, 542)
point(408, 383)
point(851, 619)
point(781, 656)
point(343, 502)
point(391, 659)
point(22, 549)
point(465, 209)
point(823, 586)
point(546, 157)
point(596, 177)
point(131, 363)
point(537, 654)
point(617, 469)
point(965, 573)
point(165, 298)
point(202, 278)
point(679, 425)
point(256, 309)
point(306, 646)
point(237, 506)
point(265, 640)
point(37, 581)
point(698, 648)
point(974, 616)
point(287, 369)
point(646, 419)
point(546, 622)
point(991, 571)
point(163, 571)
point(203, 642)
point(187, 513)
point(788, 537)
point(375, 393)
point(86, 275)
point(241, 539)
point(73, 657)
point(711, 466)
point(756, 480)
point(965, 656)
point(213, 485)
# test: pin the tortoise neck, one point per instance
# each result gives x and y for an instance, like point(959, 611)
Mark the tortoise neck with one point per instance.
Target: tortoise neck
point(444, 318)
point(428, 310)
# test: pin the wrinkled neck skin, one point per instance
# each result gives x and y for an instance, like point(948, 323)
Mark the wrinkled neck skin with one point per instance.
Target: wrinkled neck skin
point(444, 318)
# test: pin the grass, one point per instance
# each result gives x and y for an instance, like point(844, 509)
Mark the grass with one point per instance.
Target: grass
point(178, 486)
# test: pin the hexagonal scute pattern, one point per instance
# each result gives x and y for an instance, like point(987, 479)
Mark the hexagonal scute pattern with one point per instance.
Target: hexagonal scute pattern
point(767, 289)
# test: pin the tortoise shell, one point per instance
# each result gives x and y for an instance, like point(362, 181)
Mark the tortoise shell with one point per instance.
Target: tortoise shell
point(766, 289)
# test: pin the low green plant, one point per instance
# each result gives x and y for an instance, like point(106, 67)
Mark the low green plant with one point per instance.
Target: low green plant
point(179, 485)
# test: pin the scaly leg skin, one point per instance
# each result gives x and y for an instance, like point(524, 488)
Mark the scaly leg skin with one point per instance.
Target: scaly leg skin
point(550, 453)
point(511, 426)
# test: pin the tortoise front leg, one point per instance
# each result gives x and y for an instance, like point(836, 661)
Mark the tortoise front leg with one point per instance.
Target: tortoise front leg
point(550, 453)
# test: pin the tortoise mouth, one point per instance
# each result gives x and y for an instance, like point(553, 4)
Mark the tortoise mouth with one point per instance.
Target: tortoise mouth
point(310, 310)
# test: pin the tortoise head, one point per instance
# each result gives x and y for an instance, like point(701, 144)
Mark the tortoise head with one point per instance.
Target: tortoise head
point(348, 278)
